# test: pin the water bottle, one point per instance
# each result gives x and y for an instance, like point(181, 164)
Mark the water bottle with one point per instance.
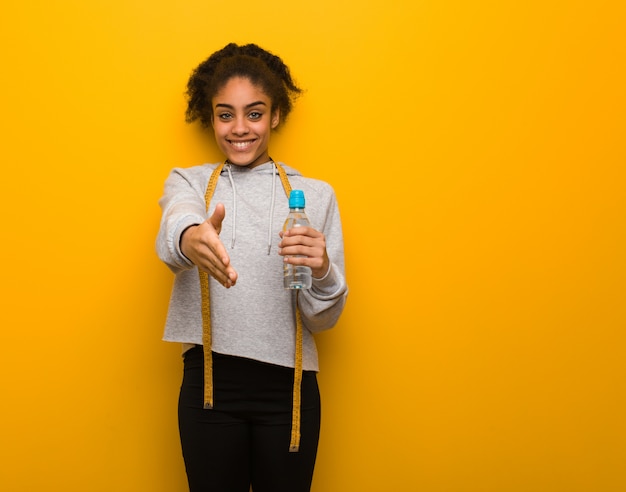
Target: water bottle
point(296, 276)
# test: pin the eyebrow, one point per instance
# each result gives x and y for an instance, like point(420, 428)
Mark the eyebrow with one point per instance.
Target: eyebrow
point(247, 106)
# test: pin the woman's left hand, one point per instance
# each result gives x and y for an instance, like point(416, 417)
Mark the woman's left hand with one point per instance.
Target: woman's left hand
point(310, 247)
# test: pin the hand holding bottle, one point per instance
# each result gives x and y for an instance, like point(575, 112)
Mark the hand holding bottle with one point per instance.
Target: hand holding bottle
point(302, 246)
point(310, 247)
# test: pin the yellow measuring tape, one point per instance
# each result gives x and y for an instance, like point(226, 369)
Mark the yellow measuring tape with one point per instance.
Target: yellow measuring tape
point(294, 445)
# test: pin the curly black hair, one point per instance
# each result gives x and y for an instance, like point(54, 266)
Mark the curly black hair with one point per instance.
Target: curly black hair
point(249, 61)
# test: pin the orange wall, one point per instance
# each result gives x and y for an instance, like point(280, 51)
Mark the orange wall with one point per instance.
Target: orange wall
point(477, 150)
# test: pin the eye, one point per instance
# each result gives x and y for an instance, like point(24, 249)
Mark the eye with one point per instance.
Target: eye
point(255, 115)
point(224, 116)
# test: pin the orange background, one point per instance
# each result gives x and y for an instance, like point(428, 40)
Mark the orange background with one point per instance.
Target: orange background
point(477, 151)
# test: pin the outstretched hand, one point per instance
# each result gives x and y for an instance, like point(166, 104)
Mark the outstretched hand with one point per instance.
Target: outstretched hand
point(202, 245)
point(310, 247)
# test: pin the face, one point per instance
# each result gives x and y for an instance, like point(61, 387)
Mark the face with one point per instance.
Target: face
point(243, 121)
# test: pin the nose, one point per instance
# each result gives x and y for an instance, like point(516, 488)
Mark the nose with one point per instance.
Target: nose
point(240, 126)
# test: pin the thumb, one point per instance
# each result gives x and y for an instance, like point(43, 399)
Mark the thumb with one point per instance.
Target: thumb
point(218, 216)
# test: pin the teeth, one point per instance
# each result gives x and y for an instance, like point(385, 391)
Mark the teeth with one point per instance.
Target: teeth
point(241, 145)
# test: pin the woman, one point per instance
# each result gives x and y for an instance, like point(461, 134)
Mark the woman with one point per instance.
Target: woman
point(249, 407)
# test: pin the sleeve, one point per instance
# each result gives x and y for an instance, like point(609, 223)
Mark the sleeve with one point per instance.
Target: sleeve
point(323, 303)
point(182, 206)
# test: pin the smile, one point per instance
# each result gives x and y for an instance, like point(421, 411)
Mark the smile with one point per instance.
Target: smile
point(241, 145)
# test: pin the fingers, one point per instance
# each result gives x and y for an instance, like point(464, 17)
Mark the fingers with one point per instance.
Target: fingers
point(302, 235)
point(202, 245)
point(217, 260)
point(305, 246)
point(304, 232)
point(213, 259)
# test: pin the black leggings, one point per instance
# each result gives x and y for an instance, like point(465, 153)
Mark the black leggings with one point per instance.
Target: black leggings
point(244, 440)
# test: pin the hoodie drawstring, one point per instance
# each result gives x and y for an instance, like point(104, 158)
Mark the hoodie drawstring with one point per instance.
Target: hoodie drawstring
point(234, 208)
point(269, 231)
point(234, 211)
point(294, 444)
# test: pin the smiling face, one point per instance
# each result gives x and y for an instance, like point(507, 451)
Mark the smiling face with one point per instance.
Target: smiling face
point(242, 122)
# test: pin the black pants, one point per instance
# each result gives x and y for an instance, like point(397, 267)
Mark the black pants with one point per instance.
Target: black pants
point(244, 439)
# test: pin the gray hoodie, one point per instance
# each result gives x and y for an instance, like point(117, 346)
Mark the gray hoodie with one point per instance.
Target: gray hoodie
point(256, 317)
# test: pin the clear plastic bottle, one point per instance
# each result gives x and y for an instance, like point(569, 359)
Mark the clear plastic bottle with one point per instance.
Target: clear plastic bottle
point(296, 276)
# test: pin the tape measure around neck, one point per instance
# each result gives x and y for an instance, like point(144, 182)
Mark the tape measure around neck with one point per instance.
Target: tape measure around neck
point(294, 445)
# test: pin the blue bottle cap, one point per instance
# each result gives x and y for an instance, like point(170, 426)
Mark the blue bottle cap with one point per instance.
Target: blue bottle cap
point(296, 199)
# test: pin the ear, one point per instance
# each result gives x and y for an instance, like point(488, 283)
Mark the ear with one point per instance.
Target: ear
point(275, 118)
